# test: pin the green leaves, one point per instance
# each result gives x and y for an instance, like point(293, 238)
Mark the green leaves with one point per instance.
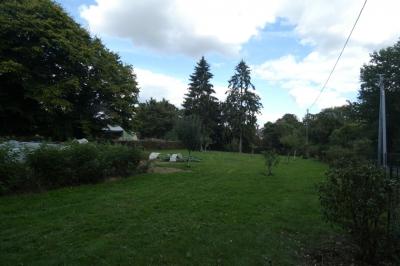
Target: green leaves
point(242, 105)
point(52, 70)
point(354, 196)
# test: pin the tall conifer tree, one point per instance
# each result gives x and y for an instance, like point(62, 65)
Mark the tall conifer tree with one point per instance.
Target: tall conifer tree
point(200, 102)
point(242, 105)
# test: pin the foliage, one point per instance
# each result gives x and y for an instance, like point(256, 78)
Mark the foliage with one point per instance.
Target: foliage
point(119, 160)
point(53, 166)
point(155, 119)
point(354, 196)
point(271, 160)
point(242, 105)
point(332, 133)
point(49, 167)
point(13, 173)
point(286, 135)
point(57, 81)
point(270, 137)
point(154, 144)
point(189, 133)
point(387, 62)
point(200, 102)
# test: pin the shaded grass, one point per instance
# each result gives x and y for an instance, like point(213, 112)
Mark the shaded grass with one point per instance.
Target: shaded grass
point(225, 211)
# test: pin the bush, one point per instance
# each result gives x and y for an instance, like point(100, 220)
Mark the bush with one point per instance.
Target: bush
point(271, 160)
point(13, 173)
point(49, 167)
point(84, 162)
point(120, 160)
point(335, 153)
point(57, 166)
point(354, 196)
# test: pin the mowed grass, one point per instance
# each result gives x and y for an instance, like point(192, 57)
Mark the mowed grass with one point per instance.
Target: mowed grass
point(225, 211)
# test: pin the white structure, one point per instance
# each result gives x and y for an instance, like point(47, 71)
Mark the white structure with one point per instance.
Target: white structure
point(173, 157)
point(118, 133)
point(154, 155)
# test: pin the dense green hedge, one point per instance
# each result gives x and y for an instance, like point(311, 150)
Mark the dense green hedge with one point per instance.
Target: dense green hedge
point(52, 166)
point(155, 144)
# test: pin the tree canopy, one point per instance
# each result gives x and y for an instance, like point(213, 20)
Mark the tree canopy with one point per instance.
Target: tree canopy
point(387, 62)
point(154, 119)
point(56, 80)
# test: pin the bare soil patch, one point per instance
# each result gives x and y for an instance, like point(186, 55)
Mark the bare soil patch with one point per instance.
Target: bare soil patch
point(165, 170)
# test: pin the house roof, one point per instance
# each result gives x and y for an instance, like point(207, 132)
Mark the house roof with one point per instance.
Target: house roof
point(113, 128)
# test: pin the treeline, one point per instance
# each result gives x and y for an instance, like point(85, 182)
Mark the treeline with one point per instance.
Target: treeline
point(326, 135)
point(59, 83)
point(229, 125)
point(350, 130)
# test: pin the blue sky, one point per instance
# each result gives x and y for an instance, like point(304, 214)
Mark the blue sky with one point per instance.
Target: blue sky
point(290, 45)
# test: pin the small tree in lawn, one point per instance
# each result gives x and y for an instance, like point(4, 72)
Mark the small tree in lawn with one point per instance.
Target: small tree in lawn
point(271, 160)
point(188, 130)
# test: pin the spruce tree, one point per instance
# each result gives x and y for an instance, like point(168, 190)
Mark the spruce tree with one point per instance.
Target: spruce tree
point(242, 104)
point(200, 102)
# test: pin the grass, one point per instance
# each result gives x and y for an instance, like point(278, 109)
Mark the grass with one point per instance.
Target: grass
point(225, 211)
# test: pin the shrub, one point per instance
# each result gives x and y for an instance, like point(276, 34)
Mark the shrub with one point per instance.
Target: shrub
point(354, 196)
point(13, 173)
point(49, 167)
point(120, 160)
point(84, 163)
point(271, 160)
point(336, 152)
point(56, 166)
point(188, 130)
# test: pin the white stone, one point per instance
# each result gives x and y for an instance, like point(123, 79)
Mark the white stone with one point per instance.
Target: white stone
point(173, 157)
point(82, 141)
point(154, 155)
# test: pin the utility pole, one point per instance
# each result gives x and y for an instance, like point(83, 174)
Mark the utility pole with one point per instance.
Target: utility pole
point(307, 133)
point(382, 142)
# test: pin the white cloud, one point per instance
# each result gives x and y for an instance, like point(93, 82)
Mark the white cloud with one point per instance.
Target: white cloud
point(325, 27)
point(303, 78)
point(159, 86)
point(185, 26)
point(194, 27)
point(265, 117)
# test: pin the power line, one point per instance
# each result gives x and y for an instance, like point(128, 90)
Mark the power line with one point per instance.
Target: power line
point(340, 55)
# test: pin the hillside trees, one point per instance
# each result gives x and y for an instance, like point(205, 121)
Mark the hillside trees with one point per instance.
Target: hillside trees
point(242, 105)
point(55, 79)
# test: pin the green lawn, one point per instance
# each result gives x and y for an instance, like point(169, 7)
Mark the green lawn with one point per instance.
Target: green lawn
point(225, 211)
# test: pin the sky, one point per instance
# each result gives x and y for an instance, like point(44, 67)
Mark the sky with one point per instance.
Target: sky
point(290, 45)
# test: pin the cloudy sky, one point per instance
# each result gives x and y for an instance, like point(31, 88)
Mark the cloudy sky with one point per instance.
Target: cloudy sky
point(291, 45)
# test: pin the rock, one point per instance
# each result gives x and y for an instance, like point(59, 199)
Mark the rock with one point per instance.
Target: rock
point(173, 157)
point(82, 141)
point(154, 155)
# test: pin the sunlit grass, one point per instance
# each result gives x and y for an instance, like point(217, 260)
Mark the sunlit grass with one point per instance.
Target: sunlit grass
point(224, 211)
